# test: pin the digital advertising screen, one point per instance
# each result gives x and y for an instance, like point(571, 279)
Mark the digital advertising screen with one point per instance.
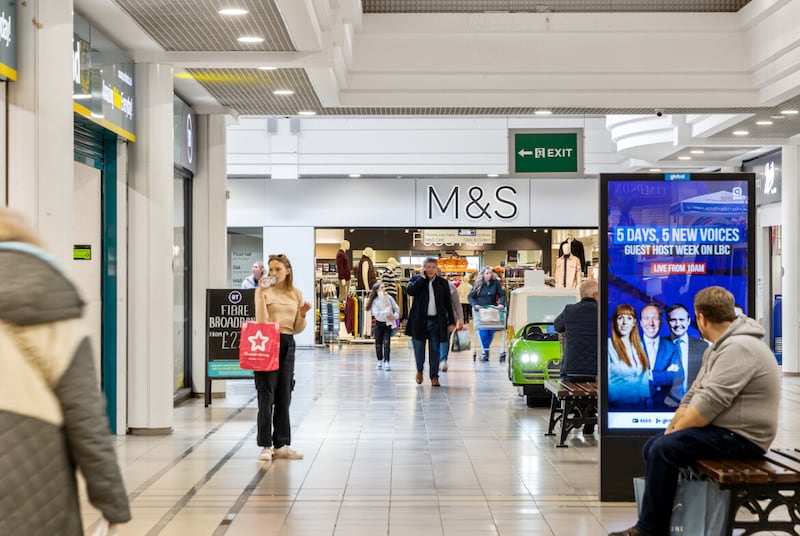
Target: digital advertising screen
point(664, 237)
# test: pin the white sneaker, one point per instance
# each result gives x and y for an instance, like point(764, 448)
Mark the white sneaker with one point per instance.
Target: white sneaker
point(286, 452)
point(266, 454)
point(387, 366)
point(379, 366)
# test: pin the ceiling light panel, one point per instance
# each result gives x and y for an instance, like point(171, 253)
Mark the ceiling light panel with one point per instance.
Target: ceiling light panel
point(183, 25)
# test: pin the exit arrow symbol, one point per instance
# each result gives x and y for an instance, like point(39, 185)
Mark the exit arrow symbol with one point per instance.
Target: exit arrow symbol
point(523, 153)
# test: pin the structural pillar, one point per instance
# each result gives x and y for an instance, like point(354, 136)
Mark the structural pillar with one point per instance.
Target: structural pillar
point(40, 136)
point(790, 257)
point(150, 253)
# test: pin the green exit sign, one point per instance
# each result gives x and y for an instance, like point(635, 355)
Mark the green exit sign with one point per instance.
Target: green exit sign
point(546, 152)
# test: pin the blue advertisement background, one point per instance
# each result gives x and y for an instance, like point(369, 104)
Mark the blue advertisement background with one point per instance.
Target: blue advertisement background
point(666, 241)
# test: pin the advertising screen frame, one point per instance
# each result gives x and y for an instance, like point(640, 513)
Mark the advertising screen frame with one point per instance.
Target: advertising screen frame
point(671, 184)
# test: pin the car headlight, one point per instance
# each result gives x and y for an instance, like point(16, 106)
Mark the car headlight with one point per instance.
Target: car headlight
point(529, 358)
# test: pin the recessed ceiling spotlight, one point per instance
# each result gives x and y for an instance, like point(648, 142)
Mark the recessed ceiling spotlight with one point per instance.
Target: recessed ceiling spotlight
point(697, 151)
point(354, 175)
point(764, 123)
point(740, 132)
point(543, 112)
point(267, 68)
point(233, 11)
point(250, 39)
point(283, 92)
point(306, 112)
point(789, 112)
point(492, 175)
point(655, 169)
point(684, 158)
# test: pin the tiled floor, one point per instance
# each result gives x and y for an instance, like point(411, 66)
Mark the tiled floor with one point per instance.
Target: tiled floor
point(382, 456)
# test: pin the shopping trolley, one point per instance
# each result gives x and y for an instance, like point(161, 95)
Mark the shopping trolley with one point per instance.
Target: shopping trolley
point(489, 318)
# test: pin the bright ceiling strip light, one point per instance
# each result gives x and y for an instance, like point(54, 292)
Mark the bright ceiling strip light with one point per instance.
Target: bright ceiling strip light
point(233, 11)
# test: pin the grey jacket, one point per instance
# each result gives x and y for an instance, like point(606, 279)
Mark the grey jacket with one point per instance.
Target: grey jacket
point(739, 384)
point(52, 418)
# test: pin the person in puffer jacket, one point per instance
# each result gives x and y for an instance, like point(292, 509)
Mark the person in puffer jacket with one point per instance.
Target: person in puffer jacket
point(52, 418)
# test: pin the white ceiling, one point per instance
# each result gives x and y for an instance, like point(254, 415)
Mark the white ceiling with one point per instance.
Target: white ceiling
point(711, 67)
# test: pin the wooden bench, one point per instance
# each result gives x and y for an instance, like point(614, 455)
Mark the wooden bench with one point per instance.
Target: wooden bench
point(767, 488)
point(574, 404)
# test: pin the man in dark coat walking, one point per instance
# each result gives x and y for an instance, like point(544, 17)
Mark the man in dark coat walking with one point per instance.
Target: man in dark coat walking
point(431, 318)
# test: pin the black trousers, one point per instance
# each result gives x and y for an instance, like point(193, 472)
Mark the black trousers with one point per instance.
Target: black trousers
point(383, 340)
point(274, 397)
point(467, 309)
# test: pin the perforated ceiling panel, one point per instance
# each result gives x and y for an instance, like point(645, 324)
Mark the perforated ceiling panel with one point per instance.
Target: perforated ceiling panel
point(250, 91)
point(551, 6)
point(181, 25)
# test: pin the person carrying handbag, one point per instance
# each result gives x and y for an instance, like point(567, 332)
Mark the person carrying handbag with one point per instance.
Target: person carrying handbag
point(277, 300)
point(52, 412)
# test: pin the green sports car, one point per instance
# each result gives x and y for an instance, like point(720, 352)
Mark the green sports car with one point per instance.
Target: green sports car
point(534, 354)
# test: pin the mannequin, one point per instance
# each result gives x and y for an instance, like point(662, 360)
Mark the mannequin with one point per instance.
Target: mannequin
point(389, 277)
point(568, 268)
point(343, 269)
point(366, 275)
point(576, 248)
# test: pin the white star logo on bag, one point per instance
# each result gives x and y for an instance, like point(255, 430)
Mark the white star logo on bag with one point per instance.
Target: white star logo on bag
point(258, 342)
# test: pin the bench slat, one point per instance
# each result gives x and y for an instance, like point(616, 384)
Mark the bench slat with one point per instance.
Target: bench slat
point(777, 473)
point(791, 454)
point(750, 475)
point(718, 472)
point(776, 456)
point(563, 389)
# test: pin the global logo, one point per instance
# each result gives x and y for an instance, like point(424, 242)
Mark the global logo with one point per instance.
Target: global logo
point(235, 297)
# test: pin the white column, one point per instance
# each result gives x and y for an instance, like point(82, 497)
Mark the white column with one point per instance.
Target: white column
point(790, 257)
point(40, 138)
point(150, 240)
point(209, 235)
point(283, 150)
point(122, 287)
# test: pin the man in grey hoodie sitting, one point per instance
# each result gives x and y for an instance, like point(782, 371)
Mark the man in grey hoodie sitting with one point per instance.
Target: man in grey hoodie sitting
point(730, 410)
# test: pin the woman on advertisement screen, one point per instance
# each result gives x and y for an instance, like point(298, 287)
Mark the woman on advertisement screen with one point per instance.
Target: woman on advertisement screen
point(628, 383)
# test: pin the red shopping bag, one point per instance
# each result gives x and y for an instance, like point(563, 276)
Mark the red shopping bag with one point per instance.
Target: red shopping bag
point(260, 346)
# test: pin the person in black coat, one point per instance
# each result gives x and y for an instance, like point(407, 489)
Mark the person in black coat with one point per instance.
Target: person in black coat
point(578, 321)
point(429, 320)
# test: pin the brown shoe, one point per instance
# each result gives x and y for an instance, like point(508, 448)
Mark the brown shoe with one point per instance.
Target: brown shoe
point(435, 382)
point(419, 378)
point(633, 531)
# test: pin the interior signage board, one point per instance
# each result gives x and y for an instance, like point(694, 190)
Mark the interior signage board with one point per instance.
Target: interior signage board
point(8, 39)
point(460, 203)
point(103, 93)
point(545, 152)
point(184, 135)
point(768, 177)
point(457, 237)
point(666, 238)
point(226, 311)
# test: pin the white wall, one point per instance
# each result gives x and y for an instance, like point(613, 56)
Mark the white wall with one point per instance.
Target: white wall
point(392, 147)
